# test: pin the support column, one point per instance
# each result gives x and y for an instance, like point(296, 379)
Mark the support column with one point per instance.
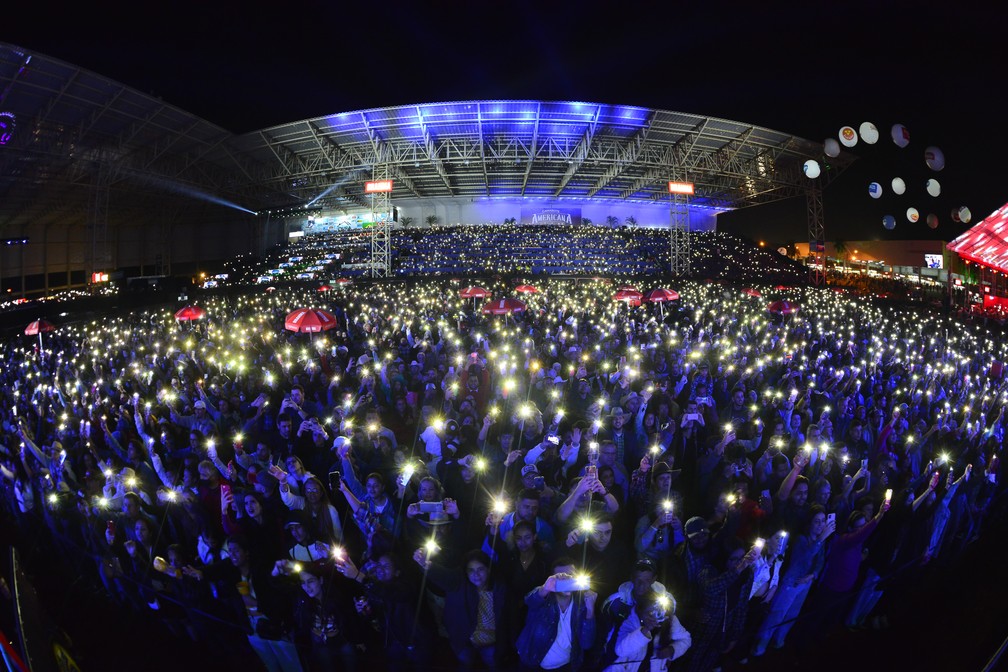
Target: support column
point(381, 229)
point(816, 234)
point(679, 230)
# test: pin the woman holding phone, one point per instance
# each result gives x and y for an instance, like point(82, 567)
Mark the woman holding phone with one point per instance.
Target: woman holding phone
point(806, 563)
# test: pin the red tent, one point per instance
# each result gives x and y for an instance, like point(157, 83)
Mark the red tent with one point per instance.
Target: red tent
point(309, 320)
point(782, 307)
point(986, 242)
point(324, 288)
point(503, 307)
point(190, 313)
point(527, 289)
point(752, 292)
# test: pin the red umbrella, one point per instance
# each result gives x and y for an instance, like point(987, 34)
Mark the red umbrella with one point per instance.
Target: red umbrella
point(190, 313)
point(660, 295)
point(309, 320)
point(503, 307)
point(342, 281)
point(782, 307)
point(324, 288)
point(270, 290)
point(474, 293)
point(752, 292)
point(527, 289)
point(782, 287)
point(37, 327)
point(628, 294)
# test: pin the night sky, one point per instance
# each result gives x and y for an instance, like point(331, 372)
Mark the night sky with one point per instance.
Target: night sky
point(932, 66)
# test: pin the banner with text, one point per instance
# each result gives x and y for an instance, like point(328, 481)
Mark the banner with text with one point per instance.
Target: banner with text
point(548, 215)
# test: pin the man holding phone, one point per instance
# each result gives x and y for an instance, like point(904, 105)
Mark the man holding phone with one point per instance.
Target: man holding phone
point(560, 626)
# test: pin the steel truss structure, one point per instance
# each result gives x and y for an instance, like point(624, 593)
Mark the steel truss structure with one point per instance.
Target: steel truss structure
point(76, 129)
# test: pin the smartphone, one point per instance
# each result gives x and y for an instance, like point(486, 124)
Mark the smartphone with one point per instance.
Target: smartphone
point(431, 507)
point(335, 478)
point(539, 483)
point(831, 518)
point(225, 490)
point(570, 585)
point(553, 439)
point(864, 463)
point(111, 527)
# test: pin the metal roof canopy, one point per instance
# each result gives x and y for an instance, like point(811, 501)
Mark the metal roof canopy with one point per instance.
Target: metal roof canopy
point(71, 121)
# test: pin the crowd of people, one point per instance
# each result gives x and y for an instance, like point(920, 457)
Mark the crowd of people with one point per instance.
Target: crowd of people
point(523, 249)
point(582, 485)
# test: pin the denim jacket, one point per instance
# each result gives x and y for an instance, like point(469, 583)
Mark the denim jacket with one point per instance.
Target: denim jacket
point(541, 628)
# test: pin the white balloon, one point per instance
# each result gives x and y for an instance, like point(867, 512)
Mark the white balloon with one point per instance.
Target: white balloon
point(848, 136)
point(811, 169)
point(934, 158)
point(933, 187)
point(831, 148)
point(912, 214)
point(965, 215)
point(900, 135)
point(889, 222)
point(869, 132)
point(875, 190)
point(898, 186)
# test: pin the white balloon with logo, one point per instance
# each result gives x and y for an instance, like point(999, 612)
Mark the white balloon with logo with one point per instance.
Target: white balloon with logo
point(912, 214)
point(965, 215)
point(848, 136)
point(875, 190)
point(933, 188)
point(811, 169)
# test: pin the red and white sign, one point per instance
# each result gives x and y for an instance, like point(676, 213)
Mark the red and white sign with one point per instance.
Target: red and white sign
point(681, 188)
point(376, 186)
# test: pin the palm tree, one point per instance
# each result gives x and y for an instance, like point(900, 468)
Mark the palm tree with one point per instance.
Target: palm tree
point(586, 221)
point(405, 221)
point(432, 220)
point(510, 221)
point(612, 221)
point(631, 221)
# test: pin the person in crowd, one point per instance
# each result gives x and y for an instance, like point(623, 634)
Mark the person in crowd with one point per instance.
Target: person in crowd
point(560, 627)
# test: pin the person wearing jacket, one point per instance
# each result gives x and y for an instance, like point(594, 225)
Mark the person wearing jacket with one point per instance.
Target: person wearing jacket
point(476, 612)
point(651, 636)
point(560, 626)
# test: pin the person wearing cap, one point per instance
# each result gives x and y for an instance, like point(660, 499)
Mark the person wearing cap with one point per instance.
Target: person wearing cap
point(305, 548)
point(646, 633)
point(688, 560)
point(200, 420)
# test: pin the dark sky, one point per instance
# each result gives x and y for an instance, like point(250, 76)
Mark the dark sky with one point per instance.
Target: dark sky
point(804, 68)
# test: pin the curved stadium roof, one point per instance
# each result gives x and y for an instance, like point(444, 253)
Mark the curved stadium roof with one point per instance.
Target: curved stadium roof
point(77, 130)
